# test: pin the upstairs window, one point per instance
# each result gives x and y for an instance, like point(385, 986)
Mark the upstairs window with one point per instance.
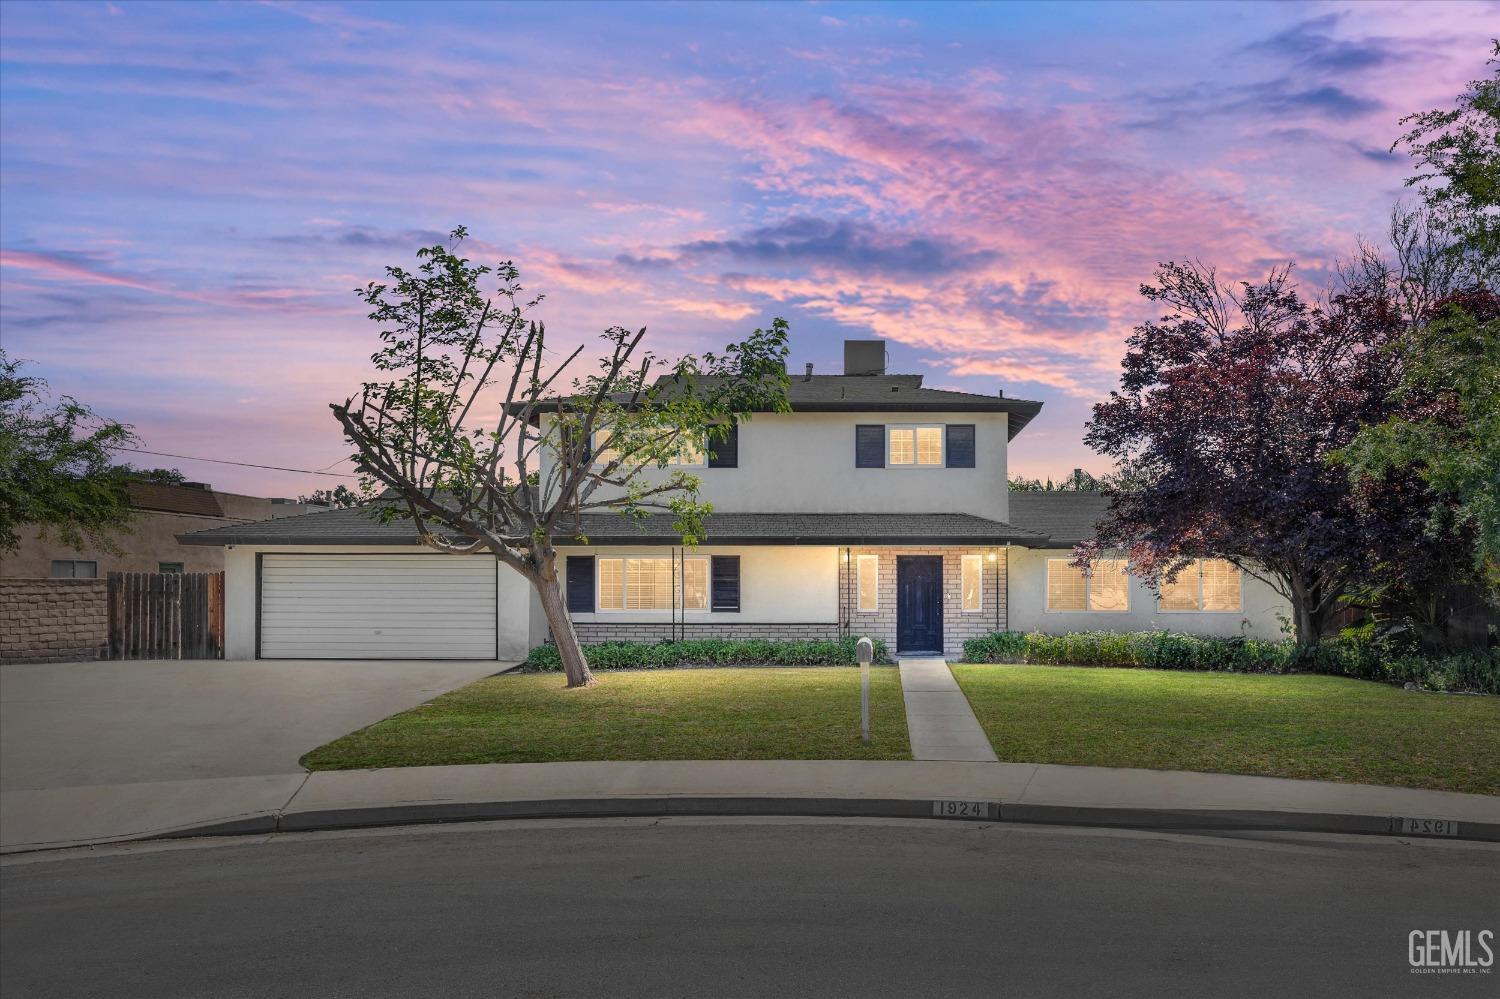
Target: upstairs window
point(1106, 588)
point(689, 453)
point(1205, 584)
point(911, 445)
point(652, 584)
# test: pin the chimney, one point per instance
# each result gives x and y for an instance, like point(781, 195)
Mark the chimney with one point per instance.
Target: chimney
point(808, 377)
point(864, 357)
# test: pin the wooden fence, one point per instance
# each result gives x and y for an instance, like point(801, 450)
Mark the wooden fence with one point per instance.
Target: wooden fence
point(166, 615)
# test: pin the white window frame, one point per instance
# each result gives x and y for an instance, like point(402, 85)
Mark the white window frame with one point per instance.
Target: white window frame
point(941, 428)
point(978, 561)
point(1088, 584)
point(678, 587)
point(1197, 569)
point(859, 569)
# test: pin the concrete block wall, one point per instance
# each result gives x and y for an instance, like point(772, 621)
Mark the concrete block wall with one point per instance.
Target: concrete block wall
point(958, 625)
point(53, 620)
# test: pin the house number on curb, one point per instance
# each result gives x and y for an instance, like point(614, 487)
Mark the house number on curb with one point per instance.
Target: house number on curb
point(1429, 827)
point(948, 809)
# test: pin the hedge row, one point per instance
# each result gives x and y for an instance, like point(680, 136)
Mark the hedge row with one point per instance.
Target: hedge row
point(1380, 660)
point(706, 652)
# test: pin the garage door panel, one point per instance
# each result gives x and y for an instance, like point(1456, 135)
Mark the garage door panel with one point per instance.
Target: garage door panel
point(362, 607)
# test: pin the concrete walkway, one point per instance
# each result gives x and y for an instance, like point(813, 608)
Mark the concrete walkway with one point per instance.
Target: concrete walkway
point(939, 721)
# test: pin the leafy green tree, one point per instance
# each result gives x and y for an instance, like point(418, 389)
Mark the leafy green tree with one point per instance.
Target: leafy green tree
point(340, 498)
point(56, 465)
point(1447, 426)
point(1457, 154)
point(474, 402)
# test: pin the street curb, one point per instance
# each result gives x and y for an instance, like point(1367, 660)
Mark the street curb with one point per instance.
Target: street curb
point(419, 813)
point(648, 806)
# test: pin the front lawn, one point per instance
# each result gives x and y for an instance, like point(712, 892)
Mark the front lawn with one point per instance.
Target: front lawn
point(1310, 727)
point(697, 714)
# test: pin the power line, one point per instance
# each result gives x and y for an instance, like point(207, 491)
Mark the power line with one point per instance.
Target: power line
point(243, 464)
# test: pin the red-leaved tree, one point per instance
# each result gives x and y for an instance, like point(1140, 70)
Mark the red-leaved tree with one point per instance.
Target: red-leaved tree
point(1229, 408)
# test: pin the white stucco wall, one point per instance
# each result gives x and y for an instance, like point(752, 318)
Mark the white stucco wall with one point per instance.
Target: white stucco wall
point(778, 585)
point(804, 463)
point(520, 626)
point(1260, 606)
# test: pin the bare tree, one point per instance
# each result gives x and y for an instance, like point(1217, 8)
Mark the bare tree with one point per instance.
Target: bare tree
point(486, 443)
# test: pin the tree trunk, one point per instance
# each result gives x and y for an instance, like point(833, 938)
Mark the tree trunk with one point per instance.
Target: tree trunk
point(1307, 611)
point(555, 607)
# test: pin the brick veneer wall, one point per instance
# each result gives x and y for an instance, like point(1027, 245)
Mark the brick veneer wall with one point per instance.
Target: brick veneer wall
point(608, 631)
point(957, 625)
point(53, 620)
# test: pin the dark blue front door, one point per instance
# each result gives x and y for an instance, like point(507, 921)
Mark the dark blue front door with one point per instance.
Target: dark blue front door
point(919, 603)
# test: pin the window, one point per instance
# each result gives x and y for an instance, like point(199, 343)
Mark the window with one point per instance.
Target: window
point(868, 572)
point(1205, 584)
point(971, 582)
point(63, 568)
point(909, 445)
point(689, 452)
point(171, 567)
point(652, 583)
point(1106, 588)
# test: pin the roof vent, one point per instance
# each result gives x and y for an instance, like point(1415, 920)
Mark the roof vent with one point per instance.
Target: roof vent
point(808, 377)
point(1001, 393)
point(864, 357)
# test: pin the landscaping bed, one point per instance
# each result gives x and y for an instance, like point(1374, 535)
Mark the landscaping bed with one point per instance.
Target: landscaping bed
point(707, 652)
point(1308, 727)
point(718, 714)
point(1381, 660)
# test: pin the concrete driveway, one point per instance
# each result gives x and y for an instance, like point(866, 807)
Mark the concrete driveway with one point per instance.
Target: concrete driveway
point(95, 752)
point(82, 724)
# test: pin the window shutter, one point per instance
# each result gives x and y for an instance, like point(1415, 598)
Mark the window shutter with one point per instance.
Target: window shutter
point(725, 453)
point(726, 582)
point(580, 573)
point(869, 445)
point(960, 445)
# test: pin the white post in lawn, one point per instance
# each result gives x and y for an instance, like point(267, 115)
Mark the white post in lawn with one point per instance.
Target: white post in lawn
point(865, 651)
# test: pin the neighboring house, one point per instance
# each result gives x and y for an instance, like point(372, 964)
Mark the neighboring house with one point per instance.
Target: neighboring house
point(162, 512)
point(876, 507)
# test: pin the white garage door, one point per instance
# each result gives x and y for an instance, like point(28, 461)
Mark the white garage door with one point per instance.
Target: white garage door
point(377, 607)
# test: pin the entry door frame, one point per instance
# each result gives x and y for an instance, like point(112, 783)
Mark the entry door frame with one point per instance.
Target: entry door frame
point(932, 567)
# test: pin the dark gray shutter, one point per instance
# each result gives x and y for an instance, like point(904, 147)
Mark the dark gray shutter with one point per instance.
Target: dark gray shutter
point(580, 584)
point(869, 445)
point(960, 448)
point(725, 585)
point(725, 453)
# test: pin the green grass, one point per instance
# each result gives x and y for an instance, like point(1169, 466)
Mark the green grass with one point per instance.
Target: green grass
point(699, 714)
point(1310, 727)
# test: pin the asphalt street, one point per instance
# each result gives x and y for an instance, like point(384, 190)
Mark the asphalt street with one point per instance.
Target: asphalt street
point(751, 907)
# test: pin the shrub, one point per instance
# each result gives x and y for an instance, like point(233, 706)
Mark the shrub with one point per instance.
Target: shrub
point(1354, 655)
point(706, 652)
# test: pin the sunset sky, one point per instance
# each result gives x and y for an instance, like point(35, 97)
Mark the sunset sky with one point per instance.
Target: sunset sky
point(190, 192)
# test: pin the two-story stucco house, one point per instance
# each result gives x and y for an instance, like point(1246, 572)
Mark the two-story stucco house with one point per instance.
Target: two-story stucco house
point(876, 507)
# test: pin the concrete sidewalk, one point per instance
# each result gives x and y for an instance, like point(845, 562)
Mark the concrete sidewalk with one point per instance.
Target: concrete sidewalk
point(1006, 792)
point(939, 719)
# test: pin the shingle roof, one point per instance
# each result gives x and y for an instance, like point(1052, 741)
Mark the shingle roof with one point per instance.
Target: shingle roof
point(887, 393)
point(357, 527)
point(1067, 518)
point(173, 499)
